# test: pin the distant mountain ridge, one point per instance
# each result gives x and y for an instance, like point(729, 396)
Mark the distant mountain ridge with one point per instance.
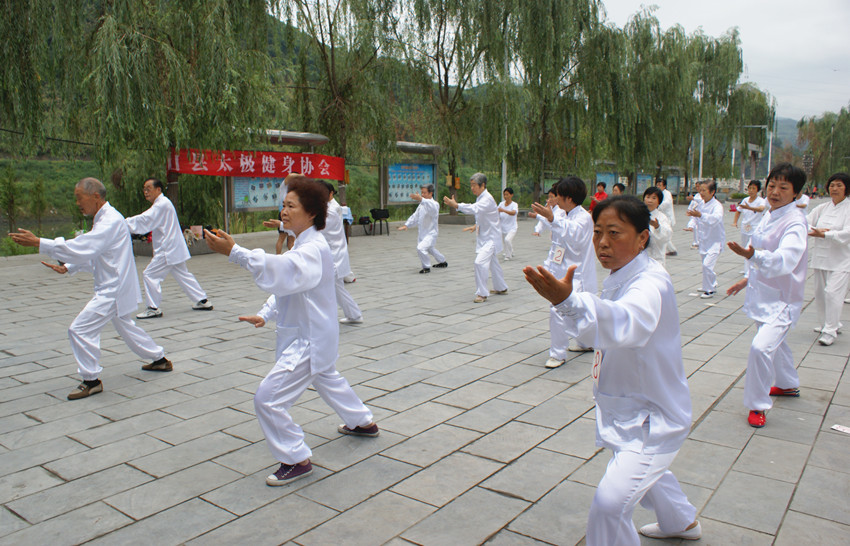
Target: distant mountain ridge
point(786, 133)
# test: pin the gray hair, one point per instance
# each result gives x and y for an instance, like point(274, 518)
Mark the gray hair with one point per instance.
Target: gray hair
point(480, 179)
point(91, 186)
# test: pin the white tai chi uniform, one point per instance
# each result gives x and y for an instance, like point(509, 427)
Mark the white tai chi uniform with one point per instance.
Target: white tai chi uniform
point(508, 223)
point(666, 207)
point(830, 261)
point(659, 237)
point(488, 243)
point(775, 284)
point(643, 406)
point(692, 223)
point(301, 282)
point(572, 244)
point(712, 237)
point(749, 219)
point(426, 217)
point(107, 252)
point(802, 202)
point(334, 232)
point(170, 252)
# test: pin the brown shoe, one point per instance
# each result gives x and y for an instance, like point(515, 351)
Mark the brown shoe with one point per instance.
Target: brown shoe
point(84, 391)
point(479, 299)
point(500, 292)
point(161, 365)
point(371, 431)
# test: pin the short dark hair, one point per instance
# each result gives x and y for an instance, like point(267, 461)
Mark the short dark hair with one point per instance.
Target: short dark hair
point(629, 209)
point(621, 187)
point(509, 189)
point(313, 195)
point(789, 172)
point(711, 186)
point(844, 178)
point(329, 186)
point(603, 184)
point(652, 190)
point(156, 183)
point(755, 183)
point(552, 190)
point(429, 187)
point(661, 181)
point(572, 187)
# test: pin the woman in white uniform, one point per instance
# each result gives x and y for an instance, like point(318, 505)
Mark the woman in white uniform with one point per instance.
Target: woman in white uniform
point(643, 405)
point(749, 212)
point(829, 241)
point(303, 303)
point(660, 230)
point(508, 210)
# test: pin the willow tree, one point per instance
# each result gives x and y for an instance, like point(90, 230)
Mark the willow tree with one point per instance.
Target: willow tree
point(827, 139)
point(749, 119)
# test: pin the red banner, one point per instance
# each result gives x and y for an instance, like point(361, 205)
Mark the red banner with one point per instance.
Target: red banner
point(255, 164)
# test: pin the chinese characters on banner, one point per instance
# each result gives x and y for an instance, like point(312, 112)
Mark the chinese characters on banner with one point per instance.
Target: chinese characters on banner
point(255, 164)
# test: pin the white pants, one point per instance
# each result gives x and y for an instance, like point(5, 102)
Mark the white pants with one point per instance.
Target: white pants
point(509, 244)
point(84, 334)
point(486, 263)
point(631, 478)
point(349, 307)
point(155, 273)
point(830, 290)
point(670, 247)
point(709, 277)
point(281, 388)
point(769, 363)
point(559, 340)
point(425, 249)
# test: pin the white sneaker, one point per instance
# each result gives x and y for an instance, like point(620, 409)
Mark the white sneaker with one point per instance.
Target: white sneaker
point(707, 295)
point(576, 348)
point(847, 300)
point(349, 278)
point(358, 320)
point(826, 339)
point(150, 312)
point(203, 305)
point(653, 531)
point(554, 362)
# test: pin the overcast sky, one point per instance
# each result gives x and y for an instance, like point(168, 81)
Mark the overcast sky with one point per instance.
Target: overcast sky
point(798, 51)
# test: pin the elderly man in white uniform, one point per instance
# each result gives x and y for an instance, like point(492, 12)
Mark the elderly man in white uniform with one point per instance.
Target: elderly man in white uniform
point(302, 303)
point(334, 232)
point(572, 243)
point(712, 235)
point(170, 252)
point(107, 252)
point(643, 405)
point(829, 240)
point(666, 207)
point(426, 217)
point(775, 283)
point(489, 237)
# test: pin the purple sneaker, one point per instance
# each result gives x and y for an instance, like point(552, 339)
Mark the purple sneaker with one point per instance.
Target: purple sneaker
point(289, 473)
point(371, 431)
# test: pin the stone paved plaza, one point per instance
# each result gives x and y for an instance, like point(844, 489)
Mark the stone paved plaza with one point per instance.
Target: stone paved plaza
point(479, 443)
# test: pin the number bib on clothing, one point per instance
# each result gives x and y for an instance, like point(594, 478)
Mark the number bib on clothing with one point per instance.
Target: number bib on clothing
point(558, 254)
point(596, 368)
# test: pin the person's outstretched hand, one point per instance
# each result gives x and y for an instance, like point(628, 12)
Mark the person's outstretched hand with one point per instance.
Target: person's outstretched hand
point(219, 241)
point(547, 285)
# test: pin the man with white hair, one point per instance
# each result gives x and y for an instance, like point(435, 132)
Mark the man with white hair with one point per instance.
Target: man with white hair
point(107, 252)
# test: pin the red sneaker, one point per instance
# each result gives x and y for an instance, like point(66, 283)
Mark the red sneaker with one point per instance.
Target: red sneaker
point(756, 419)
point(776, 391)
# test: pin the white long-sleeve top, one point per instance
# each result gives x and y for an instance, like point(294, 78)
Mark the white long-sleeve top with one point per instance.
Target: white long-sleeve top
point(303, 300)
point(107, 252)
point(486, 218)
point(634, 326)
point(695, 202)
point(711, 233)
point(666, 207)
point(832, 253)
point(659, 236)
point(508, 221)
point(750, 219)
point(426, 217)
point(543, 224)
point(573, 232)
point(334, 232)
point(777, 270)
point(167, 237)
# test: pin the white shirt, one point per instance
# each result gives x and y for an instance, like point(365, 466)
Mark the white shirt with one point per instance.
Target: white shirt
point(573, 232)
point(777, 270)
point(711, 233)
point(750, 219)
point(666, 206)
point(659, 236)
point(695, 202)
point(486, 218)
point(303, 299)
point(832, 253)
point(542, 223)
point(634, 324)
point(508, 221)
point(335, 234)
point(802, 201)
point(426, 217)
point(107, 252)
point(167, 237)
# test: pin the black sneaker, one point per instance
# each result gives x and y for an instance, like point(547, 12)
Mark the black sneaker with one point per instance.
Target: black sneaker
point(441, 265)
point(161, 365)
point(289, 473)
point(371, 431)
point(425, 270)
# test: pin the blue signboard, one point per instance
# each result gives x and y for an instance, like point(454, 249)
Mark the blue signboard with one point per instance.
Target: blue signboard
point(643, 181)
point(255, 193)
point(406, 178)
